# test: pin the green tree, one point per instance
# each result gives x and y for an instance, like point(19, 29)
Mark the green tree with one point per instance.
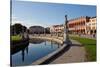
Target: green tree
point(17, 29)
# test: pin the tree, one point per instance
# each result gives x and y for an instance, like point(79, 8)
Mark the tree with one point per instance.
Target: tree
point(24, 28)
point(17, 29)
point(47, 30)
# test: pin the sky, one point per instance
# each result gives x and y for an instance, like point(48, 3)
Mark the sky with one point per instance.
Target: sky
point(47, 14)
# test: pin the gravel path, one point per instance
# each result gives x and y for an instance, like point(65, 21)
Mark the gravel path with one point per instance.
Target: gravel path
point(76, 53)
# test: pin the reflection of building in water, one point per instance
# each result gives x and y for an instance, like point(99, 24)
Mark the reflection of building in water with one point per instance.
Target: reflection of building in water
point(91, 26)
point(36, 41)
point(51, 44)
point(45, 43)
point(58, 45)
point(36, 30)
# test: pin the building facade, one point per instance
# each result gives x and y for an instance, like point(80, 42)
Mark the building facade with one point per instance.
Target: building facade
point(36, 30)
point(78, 25)
point(91, 26)
point(81, 25)
point(57, 28)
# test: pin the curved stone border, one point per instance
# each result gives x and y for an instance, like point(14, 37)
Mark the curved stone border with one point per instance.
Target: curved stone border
point(49, 56)
point(48, 38)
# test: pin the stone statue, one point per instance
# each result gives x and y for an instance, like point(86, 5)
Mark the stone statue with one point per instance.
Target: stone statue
point(66, 30)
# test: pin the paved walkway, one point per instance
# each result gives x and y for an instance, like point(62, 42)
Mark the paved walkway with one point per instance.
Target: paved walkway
point(76, 53)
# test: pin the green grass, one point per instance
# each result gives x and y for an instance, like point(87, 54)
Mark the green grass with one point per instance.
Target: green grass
point(16, 38)
point(90, 46)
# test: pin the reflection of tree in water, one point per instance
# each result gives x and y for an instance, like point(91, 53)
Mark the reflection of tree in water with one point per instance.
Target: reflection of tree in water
point(37, 41)
point(23, 55)
point(27, 49)
point(22, 48)
point(19, 47)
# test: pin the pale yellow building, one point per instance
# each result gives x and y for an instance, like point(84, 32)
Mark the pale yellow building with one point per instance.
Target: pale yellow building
point(91, 26)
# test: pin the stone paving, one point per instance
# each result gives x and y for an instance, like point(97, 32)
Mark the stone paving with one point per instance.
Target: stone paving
point(76, 53)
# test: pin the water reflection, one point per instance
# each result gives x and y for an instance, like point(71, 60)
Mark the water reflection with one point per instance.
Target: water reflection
point(27, 49)
point(27, 53)
point(45, 43)
point(36, 41)
point(20, 47)
point(51, 44)
point(17, 48)
point(23, 55)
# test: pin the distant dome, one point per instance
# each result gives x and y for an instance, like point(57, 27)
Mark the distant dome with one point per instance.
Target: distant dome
point(36, 30)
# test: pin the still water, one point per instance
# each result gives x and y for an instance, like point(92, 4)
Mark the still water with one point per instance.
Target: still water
point(33, 51)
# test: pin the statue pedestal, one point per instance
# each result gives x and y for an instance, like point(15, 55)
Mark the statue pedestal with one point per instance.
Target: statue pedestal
point(66, 38)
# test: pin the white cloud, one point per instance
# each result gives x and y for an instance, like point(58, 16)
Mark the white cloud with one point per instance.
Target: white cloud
point(29, 23)
point(15, 20)
point(32, 23)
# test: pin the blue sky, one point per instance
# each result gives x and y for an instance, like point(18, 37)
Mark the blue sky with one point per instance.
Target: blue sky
point(47, 14)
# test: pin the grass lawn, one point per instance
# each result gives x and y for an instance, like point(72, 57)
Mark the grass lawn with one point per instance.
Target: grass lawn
point(16, 38)
point(90, 46)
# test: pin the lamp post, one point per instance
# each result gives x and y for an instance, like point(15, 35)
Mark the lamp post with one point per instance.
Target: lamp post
point(66, 38)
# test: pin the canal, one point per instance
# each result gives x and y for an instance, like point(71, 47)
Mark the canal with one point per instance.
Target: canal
point(32, 51)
